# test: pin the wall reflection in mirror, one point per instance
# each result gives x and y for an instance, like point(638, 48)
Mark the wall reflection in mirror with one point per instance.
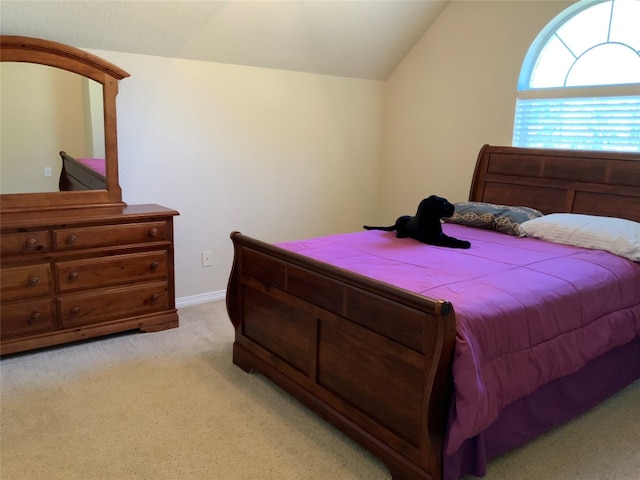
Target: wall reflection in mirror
point(49, 116)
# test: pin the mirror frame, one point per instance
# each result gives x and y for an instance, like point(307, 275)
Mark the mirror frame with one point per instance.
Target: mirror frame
point(54, 54)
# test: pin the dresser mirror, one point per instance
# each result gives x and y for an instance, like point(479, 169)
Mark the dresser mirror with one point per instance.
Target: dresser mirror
point(58, 118)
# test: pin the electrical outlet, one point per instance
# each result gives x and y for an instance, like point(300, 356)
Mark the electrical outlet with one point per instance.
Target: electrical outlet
point(207, 258)
point(47, 171)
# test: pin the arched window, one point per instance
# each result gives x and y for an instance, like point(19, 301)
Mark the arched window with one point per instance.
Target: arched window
point(579, 87)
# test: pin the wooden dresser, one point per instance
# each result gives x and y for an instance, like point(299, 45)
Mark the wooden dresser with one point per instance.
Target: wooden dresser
point(73, 274)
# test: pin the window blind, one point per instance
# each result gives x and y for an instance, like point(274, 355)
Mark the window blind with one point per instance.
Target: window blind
point(593, 123)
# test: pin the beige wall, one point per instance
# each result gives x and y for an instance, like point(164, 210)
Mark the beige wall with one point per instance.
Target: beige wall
point(275, 154)
point(454, 92)
point(283, 155)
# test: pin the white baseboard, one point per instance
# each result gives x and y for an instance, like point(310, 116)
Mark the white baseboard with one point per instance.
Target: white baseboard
point(200, 298)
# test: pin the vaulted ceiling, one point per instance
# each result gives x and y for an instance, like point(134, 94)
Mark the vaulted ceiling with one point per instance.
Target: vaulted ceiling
point(352, 38)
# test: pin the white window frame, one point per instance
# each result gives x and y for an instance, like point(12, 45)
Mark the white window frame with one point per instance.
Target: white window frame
point(549, 117)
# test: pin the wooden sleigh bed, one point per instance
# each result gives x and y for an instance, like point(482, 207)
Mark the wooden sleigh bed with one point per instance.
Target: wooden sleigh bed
point(378, 361)
point(82, 173)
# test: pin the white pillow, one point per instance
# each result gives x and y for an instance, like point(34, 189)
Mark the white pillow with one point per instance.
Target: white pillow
point(614, 235)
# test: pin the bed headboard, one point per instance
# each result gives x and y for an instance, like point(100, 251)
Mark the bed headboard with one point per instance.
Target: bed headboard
point(595, 183)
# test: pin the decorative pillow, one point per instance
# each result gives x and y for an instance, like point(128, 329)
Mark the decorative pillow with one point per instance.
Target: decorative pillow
point(503, 218)
point(614, 235)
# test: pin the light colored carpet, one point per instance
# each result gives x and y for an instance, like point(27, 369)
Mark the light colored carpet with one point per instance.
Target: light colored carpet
point(171, 405)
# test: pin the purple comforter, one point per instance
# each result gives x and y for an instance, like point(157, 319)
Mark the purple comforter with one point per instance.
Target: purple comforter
point(98, 165)
point(528, 311)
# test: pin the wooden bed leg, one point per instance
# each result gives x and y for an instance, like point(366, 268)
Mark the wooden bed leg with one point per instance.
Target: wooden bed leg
point(409, 474)
point(241, 359)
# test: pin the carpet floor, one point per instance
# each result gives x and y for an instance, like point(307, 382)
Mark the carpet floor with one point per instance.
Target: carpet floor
point(171, 405)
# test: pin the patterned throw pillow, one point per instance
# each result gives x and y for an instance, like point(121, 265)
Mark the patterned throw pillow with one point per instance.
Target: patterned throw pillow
point(503, 218)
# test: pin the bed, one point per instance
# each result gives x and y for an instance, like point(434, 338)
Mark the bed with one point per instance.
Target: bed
point(82, 173)
point(392, 342)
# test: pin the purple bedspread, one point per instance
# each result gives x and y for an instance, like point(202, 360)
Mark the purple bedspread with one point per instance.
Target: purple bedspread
point(96, 164)
point(528, 311)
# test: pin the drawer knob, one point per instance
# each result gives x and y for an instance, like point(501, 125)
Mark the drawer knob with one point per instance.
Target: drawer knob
point(75, 310)
point(73, 276)
point(35, 316)
point(153, 232)
point(155, 297)
point(72, 239)
point(33, 281)
point(31, 243)
point(154, 265)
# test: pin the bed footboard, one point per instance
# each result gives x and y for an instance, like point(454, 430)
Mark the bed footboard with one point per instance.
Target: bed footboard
point(371, 359)
point(75, 175)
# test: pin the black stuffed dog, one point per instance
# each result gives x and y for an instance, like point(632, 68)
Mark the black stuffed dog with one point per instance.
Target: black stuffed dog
point(425, 226)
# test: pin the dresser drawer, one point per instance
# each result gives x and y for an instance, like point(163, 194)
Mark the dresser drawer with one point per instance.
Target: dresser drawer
point(30, 316)
point(107, 271)
point(109, 235)
point(25, 242)
point(25, 282)
point(112, 304)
